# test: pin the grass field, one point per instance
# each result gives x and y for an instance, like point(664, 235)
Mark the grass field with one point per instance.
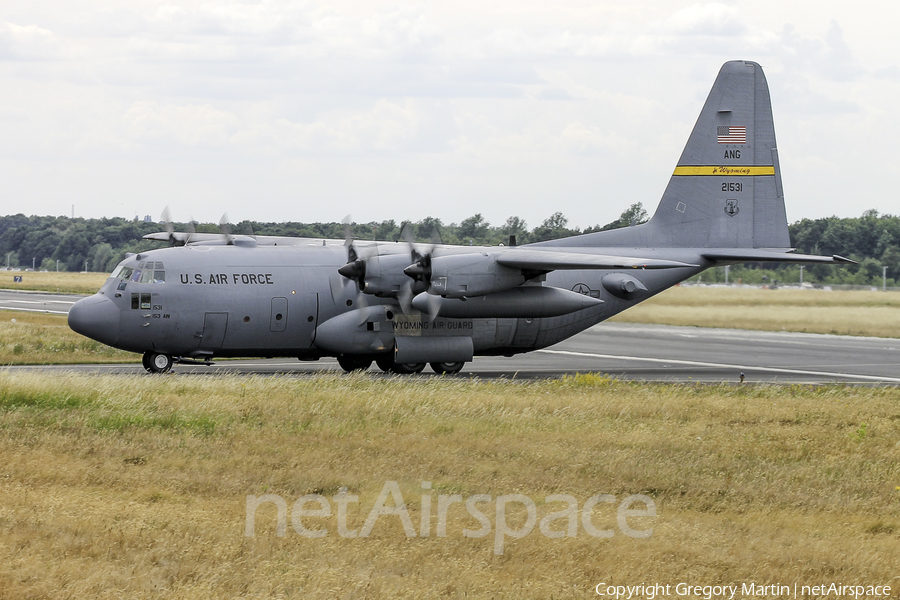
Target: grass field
point(38, 338)
point(807, 311)
point(136, 487)
point(52, 281)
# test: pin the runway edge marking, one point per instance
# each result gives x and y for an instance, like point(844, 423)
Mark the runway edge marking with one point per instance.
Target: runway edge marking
point(693, 363)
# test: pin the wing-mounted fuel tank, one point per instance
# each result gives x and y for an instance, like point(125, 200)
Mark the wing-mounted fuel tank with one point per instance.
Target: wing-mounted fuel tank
point(625, 286)
point(525, 302)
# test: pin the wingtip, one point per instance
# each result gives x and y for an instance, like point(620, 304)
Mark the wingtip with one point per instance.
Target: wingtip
point(842, 260)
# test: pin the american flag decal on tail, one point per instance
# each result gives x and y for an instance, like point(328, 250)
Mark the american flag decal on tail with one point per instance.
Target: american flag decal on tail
point(726, 134)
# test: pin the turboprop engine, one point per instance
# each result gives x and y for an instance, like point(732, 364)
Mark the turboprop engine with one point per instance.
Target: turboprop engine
point(381, 275)
point(466, 275)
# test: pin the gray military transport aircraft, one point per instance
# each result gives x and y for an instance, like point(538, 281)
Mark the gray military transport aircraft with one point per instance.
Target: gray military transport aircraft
point(403, 305)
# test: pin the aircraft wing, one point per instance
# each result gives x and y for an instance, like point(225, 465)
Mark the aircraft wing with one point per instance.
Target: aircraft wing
point(182, 238)
point(548, 260)
point(755, 255)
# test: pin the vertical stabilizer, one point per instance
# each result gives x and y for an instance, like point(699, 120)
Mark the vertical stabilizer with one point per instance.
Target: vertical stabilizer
point(726, 190)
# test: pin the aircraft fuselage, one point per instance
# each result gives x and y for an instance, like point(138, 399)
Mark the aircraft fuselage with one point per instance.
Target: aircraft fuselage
point(219, 301)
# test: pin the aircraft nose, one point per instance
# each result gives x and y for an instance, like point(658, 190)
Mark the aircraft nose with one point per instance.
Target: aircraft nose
point(96, 317)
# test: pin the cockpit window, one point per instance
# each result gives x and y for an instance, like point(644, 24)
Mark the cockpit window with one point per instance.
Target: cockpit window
point(153, 273)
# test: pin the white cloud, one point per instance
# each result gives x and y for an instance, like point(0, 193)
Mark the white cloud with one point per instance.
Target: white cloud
point(188, 125)
point(448, 99)
point(28, 42)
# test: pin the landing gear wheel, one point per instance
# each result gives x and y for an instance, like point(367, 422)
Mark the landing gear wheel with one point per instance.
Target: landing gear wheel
point(407, 368)
point(157, 363)
point(354, 362)
point(385, 362)
point(443, 368)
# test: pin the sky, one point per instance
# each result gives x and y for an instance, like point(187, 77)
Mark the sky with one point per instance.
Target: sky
point(308, 111)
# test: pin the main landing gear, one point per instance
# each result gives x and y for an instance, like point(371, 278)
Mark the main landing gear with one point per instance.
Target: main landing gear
point(385, 362)
point(443, 368)
point(155, 362)
point(353, 362)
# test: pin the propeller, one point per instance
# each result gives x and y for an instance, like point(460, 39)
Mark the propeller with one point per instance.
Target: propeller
point(382, 278)
point(170, 229)
point(225, 229)
point(190, 230)
point(177, 240)
point(420, 270)
point(355, 269)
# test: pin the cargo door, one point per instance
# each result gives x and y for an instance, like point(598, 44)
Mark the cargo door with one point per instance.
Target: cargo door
point(213, 334)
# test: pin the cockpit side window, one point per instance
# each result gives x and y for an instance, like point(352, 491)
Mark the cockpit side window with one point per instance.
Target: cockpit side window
point(148, 272)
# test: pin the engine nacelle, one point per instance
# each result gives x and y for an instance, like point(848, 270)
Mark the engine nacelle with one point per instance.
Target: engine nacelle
point(384, 275)
point(471, 274)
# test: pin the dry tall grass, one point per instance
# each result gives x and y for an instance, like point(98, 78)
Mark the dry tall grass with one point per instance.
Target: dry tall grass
point(52, 281)
point(809, 311)
point(28, 338)
point(116, 487)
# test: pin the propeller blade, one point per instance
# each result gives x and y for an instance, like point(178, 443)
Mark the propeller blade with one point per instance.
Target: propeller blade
point(436, 237)
point(225, 228)
point(190, 231)
point(434, 306)
point(405, 297)
point(170, 229)
point(420, 269)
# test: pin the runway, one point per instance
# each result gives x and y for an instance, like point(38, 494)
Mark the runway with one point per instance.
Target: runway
point(45, 302)
point(627, 351)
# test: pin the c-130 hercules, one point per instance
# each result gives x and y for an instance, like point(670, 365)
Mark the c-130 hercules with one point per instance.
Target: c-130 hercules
point(403, 305)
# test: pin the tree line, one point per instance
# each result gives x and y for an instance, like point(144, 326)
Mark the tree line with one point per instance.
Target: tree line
point(78, 244)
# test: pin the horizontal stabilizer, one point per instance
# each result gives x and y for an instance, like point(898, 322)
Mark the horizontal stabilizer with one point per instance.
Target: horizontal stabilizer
point(732, 255)
point(544, 260)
